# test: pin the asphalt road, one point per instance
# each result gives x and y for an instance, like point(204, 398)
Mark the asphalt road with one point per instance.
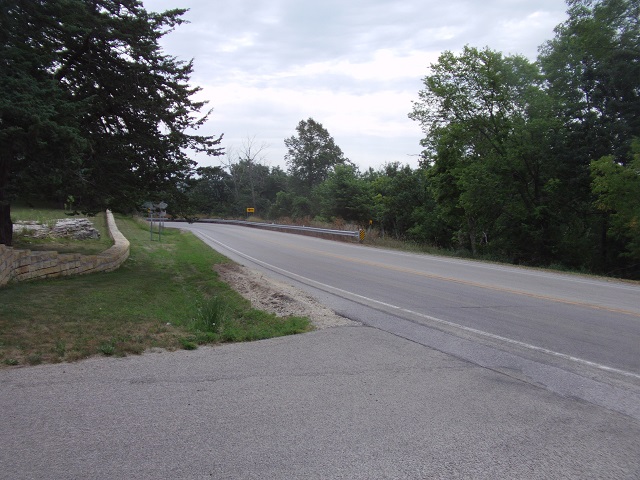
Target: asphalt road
point(450, 376)
point(587, 321)
point(340, 403)
point(578, 336)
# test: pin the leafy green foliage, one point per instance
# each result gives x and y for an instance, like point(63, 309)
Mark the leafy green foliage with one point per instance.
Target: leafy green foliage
point(312, 153)
point(91, 107)
point(515, 151)
point(487, 150)
point(593, 69)
point(210, 193)
point(617, 190)
point(342, 195)
point(397, 191)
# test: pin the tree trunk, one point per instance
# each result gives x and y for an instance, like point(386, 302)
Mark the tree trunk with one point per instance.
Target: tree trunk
point(604, 242)
point(472, 235)
point(6, 227)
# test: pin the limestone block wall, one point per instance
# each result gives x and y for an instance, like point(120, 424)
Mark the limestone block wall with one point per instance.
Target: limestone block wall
point(20, 265)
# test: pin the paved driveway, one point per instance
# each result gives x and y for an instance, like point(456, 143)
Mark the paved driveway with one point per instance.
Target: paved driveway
point(346, 402)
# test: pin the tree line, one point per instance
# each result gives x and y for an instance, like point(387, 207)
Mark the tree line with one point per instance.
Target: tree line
point(532, 162)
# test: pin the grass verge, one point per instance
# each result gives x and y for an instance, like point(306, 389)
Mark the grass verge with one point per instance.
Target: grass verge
point(166, 295)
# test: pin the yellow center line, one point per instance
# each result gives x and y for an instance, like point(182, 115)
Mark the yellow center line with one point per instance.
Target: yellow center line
point(453, 280)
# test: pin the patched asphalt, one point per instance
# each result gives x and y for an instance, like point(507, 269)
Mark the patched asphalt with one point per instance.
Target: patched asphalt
point(345, 402)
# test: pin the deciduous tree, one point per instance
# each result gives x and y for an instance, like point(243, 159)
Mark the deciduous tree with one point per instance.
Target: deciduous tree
point(311, 154)
point(344, 195)
point(617, 195)
point(480, 110)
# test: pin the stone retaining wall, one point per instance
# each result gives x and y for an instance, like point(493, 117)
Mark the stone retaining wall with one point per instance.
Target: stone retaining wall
point(19, 265)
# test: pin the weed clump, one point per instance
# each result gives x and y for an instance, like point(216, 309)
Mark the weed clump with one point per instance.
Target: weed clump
point(211, 317)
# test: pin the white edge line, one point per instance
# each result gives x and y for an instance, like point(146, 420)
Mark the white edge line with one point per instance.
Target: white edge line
point(422, 315)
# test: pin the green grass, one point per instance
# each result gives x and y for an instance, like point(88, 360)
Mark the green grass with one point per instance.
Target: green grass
point(165, 295)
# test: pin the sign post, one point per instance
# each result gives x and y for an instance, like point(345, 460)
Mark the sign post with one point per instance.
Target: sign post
point(250, 210)
point(162, 213)
point(159, 210)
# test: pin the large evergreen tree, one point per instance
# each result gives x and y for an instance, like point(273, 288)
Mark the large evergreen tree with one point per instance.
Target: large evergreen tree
point(91, 107)
point(38, 120)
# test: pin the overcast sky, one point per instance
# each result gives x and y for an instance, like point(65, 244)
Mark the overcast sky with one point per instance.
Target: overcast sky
point(353, 65)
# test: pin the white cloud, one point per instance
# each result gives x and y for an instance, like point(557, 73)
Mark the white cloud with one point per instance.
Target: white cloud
point(236, 43)
point(385, 65)
point(354, 66)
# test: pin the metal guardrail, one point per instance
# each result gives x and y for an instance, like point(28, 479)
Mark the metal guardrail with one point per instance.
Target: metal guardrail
point(311, 231)
point(293, 228)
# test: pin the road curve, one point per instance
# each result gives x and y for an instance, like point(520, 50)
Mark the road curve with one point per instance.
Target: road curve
point(540, 326)
point(463, 370)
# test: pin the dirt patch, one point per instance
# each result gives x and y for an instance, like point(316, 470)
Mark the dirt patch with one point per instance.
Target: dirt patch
point(279, 298)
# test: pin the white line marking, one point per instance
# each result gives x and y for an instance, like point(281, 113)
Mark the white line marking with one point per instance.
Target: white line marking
point(326, 287)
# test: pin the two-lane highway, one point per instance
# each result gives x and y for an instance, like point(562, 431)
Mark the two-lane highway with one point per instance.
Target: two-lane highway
point(460, 370)
point(473, 310)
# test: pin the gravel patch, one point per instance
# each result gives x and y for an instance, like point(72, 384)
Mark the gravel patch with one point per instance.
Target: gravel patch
point(278, 297)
